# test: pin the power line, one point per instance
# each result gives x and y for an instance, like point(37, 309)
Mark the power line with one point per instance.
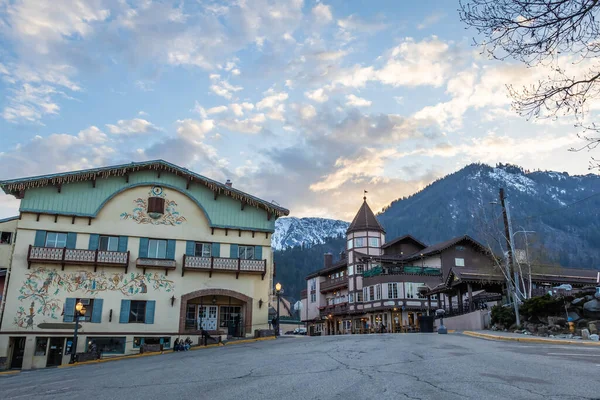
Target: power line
point(557, 209)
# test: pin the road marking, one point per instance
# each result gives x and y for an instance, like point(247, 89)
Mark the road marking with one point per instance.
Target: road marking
point(572, 354)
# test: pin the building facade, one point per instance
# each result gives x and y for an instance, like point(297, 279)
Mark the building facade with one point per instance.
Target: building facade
point(153, 251)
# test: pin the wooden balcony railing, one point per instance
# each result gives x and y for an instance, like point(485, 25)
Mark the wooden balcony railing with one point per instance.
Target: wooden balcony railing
point(64, 256)
point(156, 263)
point(334, 283)
point(333, 309)
point(223, 264)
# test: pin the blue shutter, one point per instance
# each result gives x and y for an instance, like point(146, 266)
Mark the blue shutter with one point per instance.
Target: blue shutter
point(122, 244)
point(258, 253)
point(190, 248)
point(69, 310)
point(94, 240)
point(170, 249)
point(40, 239)
point(97, 311)
point(216, 250)
point(71, 240)
point(150, 305)
point(125, 308)
point(233, 251)
point(143, 248)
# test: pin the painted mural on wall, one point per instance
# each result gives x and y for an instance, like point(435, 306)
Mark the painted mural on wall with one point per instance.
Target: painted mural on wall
point(42, 287)
point(141, 215)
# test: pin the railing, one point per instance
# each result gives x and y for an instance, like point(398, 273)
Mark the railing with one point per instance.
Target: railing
point(333, 309)
point(63, 256)
point(223, 264)
point(303, 294)
point(334, 283)
point(157, 263)
point(403, 270)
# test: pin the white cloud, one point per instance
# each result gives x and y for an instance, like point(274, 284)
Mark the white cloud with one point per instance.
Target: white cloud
point(354, 23)
point(356, 101)
point(248, 125)
point(222, 87)
point(271, 99)
point(307, 112)
point(317, 95)
point(132, 127)
point(322, 13)
point(216, 110)
point(238, 109)
point(193, 130)
point(430, 20)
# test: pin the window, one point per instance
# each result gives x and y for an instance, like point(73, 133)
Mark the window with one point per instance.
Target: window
point(359, 297)
point(190, 317)
point(459, 262)
point(373, 242)
point(392, 290)
point(378, 292)
point(360, 269)
point(313, 297)
point(409, 290)
point(350, 244)
point(371, 293)
point(351, 298)
point(203, 250)
point(229, 314)
point(5, 237)
point(460, 248)
point(137, 312)
point(138, 341)
point(41, 344)
point(109, 345)
point(156, 205)
point(157, 248)
point(108, 243)
point(359, 242)
point(313, 284)
point(246, 252)
point(56, 239)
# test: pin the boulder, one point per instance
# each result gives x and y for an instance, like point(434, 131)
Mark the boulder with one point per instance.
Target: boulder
point(543, 320)
point(542, 331)
point(594, 337)
point(578, 301)
point(597, 295)
point(582, 323)
point(557, 321)
point(592, 308)
point(593, 328)
point(574, 316)
point(589, 297)
point(585, 334)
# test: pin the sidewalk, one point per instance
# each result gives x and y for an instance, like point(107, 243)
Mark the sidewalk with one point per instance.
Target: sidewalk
point(517, 337)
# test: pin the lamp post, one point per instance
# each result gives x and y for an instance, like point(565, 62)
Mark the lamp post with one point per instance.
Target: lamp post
point(441, 329)
point(278, 292)
point(79, 312)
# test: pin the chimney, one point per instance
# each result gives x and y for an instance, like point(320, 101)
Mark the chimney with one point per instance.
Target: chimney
point(229, 183)
point(327, 260)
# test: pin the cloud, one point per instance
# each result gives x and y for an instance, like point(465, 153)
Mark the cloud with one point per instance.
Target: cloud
point(238, 109)
point(222, 87)
point(249, 125)
point(132, 127)
point(216, 110)
point(322, 13)
point(317, 95)
point(355, 101)
point(430, 20)
point(355, 23)
point(307, 112)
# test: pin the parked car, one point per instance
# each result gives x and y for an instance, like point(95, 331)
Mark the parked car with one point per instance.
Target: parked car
point(300, 331)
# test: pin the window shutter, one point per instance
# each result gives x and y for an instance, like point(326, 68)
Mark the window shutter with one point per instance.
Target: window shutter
point(97, 311)
point(150, 305)
point(125, 308)
point(40, 239)
point(156, 205)
point(71, 240)
point(170, 249)
point(190, 248)
point(216, 249)
point(123, 244)
point(233, 251)
point(69, 310)
point(258, 253)
point(94, 240)
point(143, 248)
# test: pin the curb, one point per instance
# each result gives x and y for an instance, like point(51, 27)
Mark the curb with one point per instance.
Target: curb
point(529, 339)
point(10, 372)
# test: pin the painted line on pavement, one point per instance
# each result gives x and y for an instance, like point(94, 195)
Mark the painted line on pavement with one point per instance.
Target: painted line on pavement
point(572, 355)
point(529, 339)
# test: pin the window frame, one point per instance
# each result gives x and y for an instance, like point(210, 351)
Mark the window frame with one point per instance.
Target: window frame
point(41, 343)
point(359, 242)
point(313, 297)
point(378, 291)
point(10, 236)
point(158, 242)
point(121, 340)
point(203, 246)
point(110, 239)
point(143, 314)
point(393, 290)
point(56, 241)
point(360, 268)
point(359, 297)
point(245, 252)
point(373, 242)
point(457, 263)
point(350, 244)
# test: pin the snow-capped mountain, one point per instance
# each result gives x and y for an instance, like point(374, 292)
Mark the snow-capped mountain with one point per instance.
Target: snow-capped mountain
point(292, 231)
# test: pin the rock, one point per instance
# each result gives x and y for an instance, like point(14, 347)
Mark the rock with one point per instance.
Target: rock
point(597, 295)
point(593, 328)
point(543, 320)
point(578, 301)
point(574, 316)
point(557, 321)
point(592, 308)
point(585, 334)
point(542, 331)
point(589, 297)
point(594, 337)
point(582, 323)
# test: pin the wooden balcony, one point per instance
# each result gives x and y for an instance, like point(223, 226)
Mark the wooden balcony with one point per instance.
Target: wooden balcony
point(64, 256)
point(222, 264)
point(334, 309)
point(335, 283)
point(156, 263)
point(303, 294)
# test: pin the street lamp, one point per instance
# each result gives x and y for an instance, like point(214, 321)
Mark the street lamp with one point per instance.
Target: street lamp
point(79, 312)
point(278, 292)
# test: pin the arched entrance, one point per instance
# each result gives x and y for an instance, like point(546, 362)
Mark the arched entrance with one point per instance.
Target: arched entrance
point(219, 311)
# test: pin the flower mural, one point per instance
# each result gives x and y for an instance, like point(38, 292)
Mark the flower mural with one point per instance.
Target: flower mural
point(140, 212)
point(43, 287)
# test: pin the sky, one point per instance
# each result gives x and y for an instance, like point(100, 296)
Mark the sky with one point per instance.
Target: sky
point(306, 103)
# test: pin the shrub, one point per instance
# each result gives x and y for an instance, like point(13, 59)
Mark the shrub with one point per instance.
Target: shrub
point(542, 306)
point(503, 315)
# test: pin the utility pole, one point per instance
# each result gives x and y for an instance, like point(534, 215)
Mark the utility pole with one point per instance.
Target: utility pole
point(510, 272)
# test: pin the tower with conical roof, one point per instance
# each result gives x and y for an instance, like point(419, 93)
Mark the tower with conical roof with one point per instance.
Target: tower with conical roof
point(365, 235)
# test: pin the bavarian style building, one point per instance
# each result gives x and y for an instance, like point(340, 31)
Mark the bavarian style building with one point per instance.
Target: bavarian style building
point(153, 251)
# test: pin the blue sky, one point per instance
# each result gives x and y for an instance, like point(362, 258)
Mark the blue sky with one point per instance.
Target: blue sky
point(307, 103)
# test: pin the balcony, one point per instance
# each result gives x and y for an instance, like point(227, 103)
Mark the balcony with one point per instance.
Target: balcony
point(333, 309)
point(222, 264)
point(303, 294)
point(156, 263)
point(64, 256)
point(334, 283)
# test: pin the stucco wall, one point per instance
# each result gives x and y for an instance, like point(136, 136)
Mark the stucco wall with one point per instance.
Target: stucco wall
point(475, 320)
